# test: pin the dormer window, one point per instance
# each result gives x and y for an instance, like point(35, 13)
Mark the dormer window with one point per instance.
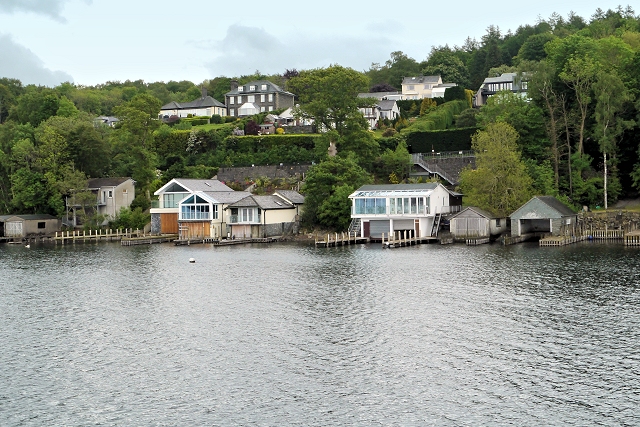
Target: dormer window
point(252, 88)
point(240, 88)
point(263, 87)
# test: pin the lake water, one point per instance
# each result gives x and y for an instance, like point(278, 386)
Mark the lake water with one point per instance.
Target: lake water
point(287, 334)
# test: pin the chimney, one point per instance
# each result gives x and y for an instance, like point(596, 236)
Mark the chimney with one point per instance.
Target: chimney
point(203, 91)
point(234, 84)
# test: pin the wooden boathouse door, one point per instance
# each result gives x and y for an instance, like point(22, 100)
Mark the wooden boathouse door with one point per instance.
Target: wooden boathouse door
point(417, 228)
point(367, 228)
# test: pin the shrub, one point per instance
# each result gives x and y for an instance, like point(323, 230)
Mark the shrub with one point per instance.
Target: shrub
point(216, 119)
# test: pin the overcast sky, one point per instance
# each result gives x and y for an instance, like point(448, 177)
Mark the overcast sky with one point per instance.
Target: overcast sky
point(94, 41)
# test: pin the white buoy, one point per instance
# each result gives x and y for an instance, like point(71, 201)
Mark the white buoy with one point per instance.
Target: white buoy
point(192, 260)
point(27, 246)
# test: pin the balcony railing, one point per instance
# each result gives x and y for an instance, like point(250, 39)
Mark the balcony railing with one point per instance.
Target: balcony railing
point(236, 219)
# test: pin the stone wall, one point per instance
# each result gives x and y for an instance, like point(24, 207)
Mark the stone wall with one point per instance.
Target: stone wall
point(255, 172)
point(612, 220)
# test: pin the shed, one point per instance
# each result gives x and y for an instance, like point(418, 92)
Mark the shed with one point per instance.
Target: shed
point(19, 226)
point(473, 222)
point(543, 214)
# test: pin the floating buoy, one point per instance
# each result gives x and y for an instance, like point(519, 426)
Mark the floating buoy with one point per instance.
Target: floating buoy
point(27, 246)
point(192, 260)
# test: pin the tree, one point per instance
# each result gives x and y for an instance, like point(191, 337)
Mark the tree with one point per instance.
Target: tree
point(500, 184)
point(329, 96)
point(444, 62)
point(326, 189)
point(611, 95)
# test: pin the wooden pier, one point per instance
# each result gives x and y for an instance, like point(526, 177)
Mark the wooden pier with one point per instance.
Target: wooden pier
point(147, 240)
point(561, 240)
point(475, 241)
point(224, 242)
point(632, 238)
point(398, 239)
point(97, 235)
point(341, 239)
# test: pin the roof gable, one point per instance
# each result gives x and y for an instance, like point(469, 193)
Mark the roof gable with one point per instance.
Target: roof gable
point(181, 185)
point(542, 207)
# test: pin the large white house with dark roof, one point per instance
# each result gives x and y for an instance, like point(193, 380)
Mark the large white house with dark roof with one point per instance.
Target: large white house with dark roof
point(256, 97)
point(201, 107)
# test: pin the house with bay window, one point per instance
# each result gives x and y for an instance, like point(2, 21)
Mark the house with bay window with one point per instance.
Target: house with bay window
point(193, 208)
point(415, 208)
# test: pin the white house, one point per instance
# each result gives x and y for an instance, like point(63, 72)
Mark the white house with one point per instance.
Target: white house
point(383, 109)
point(205, 106)
point(415, 208)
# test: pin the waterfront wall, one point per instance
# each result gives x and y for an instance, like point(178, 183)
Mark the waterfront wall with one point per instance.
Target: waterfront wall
point(255, 172)
point(612, 220)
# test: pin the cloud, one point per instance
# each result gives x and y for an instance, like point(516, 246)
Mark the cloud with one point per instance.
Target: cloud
point(246, 49)
point(51, 8)
point(22, 64)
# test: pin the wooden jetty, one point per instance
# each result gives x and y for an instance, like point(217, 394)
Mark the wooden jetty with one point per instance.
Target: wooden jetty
point(341, 239)
point(561, 240)
point(147, 240)
point(94, 235)
point(616, 234)
point(401, 238)
point(475, 241)
point(632, 238)
point(224, 242)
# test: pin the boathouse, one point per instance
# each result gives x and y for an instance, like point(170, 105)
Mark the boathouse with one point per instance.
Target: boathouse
point(543, 214)
point(473, 222)
point(414, 208)
point(20, 226)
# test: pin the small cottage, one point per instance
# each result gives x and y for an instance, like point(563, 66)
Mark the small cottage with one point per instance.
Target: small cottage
point(543, 214)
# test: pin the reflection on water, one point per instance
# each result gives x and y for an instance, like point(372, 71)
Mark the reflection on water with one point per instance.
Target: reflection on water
point(293, 335)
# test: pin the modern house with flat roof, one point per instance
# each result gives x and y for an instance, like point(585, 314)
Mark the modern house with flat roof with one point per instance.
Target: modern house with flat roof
point(416, 208)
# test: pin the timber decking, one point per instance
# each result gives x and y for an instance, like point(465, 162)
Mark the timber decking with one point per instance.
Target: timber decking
point(340, 239)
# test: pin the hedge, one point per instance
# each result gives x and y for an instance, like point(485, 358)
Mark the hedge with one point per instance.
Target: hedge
point(439, 119)
point(440, 140)
point(261, 143)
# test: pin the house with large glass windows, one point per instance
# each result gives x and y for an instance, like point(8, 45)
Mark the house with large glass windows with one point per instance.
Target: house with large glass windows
point(207, 208)
point(193, 208)
point(415, 208)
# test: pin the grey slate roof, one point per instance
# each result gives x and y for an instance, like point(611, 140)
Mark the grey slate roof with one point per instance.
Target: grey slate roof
point(386, 105)
point(420, 79)
point(543, 207)
point(271, 88)
point(106, 182)
point(205, 102)
point(291, 196)
point(480, 212)
point(263, 202)
point(227, 197)
point(378, 95)
point(204, 185)
point(27, 217)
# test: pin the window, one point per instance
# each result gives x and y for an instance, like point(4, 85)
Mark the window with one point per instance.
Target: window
point(42, 224)
point(246, 215)
point(232, 100)
point(171, 200)
point(240, 88)
point(252, 88)
point(498, 222)
point(370, 206)
point(232, 112)
point(196, 208)
point(270, 107)
point(262, 98)
point(251, 98)
point(410, 87)
point(263, 87)
point(262, 109)
point(111, 194)
point(270, 97)
point(427, 86)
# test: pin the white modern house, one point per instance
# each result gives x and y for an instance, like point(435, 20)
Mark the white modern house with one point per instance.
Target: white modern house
point(514, 82)
point(415, 208)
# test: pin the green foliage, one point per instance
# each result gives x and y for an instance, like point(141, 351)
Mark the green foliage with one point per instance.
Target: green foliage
point(455, 93)
point(134, 218)
point(500, 184)
point(439, 118)
point(216, 119)
point(440, 140)
point(446, 63)
point(398, 66)
point(326, 189)
point(329, 95)
point(396, 163)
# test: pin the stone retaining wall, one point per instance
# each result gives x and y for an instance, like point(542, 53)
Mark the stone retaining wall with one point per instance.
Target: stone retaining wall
point(622, 220)
point(255, 172)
